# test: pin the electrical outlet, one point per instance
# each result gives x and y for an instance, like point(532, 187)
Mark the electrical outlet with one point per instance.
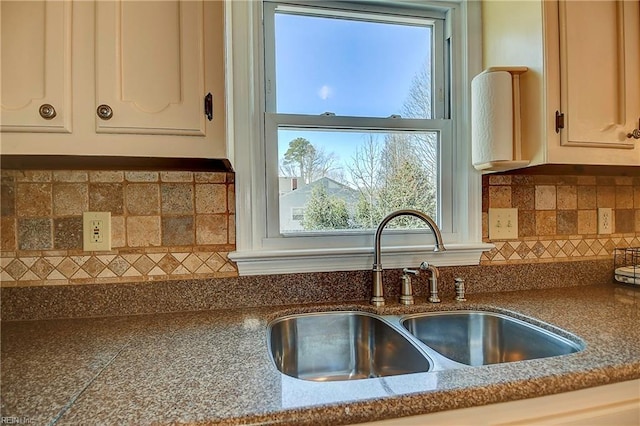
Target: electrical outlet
point(503, 224)
point(96, 231)
point(605, 220)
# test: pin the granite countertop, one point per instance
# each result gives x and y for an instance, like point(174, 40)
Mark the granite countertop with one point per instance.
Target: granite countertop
point(214, 367)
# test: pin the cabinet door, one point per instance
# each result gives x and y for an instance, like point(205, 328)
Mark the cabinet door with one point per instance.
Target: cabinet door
point(600, 72)
point(36, 66)
point(150, 67)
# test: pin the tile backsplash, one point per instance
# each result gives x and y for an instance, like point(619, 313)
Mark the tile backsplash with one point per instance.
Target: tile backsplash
point(164, 225)
point(558, 216)
point(177, 225)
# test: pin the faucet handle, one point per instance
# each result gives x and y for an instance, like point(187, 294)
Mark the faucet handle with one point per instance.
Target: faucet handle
point(414, 272)
point(424, 266)
point(406, 289)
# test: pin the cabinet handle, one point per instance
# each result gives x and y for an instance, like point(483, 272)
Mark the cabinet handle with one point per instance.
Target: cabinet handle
point(208, 106)
point(104, 112)
point(635, 133)
point(47, 111)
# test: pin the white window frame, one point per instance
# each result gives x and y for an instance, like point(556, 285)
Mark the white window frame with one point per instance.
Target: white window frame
point(258, 253)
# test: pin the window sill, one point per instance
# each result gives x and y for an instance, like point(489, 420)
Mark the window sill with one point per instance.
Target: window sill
point(266, 262)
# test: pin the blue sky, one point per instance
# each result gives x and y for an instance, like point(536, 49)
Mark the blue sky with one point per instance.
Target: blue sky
point(377, 64)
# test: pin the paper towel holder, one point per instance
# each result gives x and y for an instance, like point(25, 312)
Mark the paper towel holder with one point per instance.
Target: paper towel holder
point(517, 161)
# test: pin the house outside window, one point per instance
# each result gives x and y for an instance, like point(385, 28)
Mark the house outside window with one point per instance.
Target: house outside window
point(361, 113)
point(322, 205)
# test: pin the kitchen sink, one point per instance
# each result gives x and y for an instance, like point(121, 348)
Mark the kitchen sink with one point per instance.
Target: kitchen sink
point(479, 338)
point(331, 346)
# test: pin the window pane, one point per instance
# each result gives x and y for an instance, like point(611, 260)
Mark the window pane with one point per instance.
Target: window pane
point(338, 180)
point(352, 67)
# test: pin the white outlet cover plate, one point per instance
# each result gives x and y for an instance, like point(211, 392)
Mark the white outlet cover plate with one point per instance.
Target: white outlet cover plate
point(503, 224)
point(605, 220)
point(87, 220)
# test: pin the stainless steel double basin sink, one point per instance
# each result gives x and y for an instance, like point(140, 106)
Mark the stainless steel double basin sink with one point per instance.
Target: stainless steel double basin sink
point(332, 346)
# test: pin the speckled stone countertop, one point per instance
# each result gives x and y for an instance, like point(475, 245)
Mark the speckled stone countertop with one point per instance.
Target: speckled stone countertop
point(214, 367)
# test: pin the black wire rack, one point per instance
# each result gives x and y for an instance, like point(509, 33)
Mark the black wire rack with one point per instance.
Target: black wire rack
point(626, 265)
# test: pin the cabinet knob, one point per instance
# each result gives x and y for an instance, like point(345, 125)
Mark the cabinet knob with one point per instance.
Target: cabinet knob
point(104, 112)
point(635, 133)
point(47, 111)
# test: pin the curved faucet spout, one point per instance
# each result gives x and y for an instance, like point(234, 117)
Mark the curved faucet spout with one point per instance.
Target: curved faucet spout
point(378, 297)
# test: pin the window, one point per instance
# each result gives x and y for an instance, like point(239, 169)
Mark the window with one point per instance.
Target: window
point(351, 100)
point(361, 113)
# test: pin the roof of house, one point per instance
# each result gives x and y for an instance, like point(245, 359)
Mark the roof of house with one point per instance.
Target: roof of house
point(333, 188)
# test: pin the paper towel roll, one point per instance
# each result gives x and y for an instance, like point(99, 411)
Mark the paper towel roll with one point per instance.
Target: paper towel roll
point(491, 117)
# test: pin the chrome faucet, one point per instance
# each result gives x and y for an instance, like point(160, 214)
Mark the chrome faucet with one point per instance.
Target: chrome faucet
point(377, 297)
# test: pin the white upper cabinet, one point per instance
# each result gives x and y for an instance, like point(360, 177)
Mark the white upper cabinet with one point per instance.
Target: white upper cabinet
point(36, 66)
point(600, 72)
point(132, 77)
point(580, 97)
point(150, 72)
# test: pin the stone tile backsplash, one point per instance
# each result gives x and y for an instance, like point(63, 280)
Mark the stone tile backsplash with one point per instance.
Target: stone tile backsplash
point(176, 225)
point(558, 216)
point(164, 225)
